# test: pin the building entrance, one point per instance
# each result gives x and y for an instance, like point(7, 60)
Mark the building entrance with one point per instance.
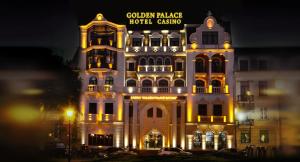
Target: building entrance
point(153, 140)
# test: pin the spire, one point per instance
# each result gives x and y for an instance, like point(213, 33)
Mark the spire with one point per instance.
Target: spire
point(209, 13)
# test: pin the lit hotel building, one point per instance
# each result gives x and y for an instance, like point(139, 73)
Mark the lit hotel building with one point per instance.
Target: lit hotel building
point(152, 89)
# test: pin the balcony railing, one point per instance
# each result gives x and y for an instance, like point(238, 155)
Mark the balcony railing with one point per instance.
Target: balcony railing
point(92, 88)
point(107, 118)
point(211, 119)
point(216, 90)
point(176, 90)
point(155, 68)
point(200, 90)
point(155, 49)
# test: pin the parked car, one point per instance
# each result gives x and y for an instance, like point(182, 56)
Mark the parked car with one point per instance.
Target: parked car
point(114, 151)
point(173, 152)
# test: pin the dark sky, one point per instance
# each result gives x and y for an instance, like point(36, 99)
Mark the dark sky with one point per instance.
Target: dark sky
point(54, 23)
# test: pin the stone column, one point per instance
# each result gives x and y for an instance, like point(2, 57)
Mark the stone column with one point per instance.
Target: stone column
point(203, 141)
point(216, 139)
point(229, 141)
point(182, 124)
point(174, 123)
point(126, 124)
point(134, 124)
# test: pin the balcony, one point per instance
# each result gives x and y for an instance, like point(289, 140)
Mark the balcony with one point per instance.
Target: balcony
point(92, 88)
point(107, 118)
point(216, 90)
point(177, 90)
point(155, 49)
point(200, 90)
point(211, 119)
point(155, 68)
point(92, 118)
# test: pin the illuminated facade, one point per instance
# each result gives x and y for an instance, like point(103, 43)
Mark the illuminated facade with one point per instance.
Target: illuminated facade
point(152, 89)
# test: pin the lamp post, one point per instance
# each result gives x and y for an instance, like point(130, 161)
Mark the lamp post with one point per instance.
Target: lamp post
point(69, 113)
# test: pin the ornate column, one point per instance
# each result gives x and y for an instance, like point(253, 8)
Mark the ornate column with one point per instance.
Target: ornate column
point(182, 123)
point(203, 142)
point(126, 124)
point(134, 124)
point(216, 139)
point(174, 123)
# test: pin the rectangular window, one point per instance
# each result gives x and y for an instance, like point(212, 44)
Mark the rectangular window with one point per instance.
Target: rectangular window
point(264, 136)
point(244, 65)
point(178, 66)
point(100, 140)
point(136, 42)
point(155, 41)
point(262, 65)
point(245, 136)
point(209, 37)
point(131, 66)
point(92, 108)
point(109, 108)
point(217, 110)
point(262, 87)
point(174, 41)
point(202, 109)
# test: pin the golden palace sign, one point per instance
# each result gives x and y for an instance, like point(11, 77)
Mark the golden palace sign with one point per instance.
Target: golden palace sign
point(154, 17)
point(153, 97)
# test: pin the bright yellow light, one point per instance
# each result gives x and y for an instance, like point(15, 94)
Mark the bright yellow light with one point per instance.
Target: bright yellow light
point(189, 111)
point(154, 89)
point(224, 119)
point(153, 97)
point(230, 107)
point(120, 108)
point(211, 118)
point(194, 45)
point(226, 45)
point(69, 112)
point(120, 39)
point(130, 89)
point(199, 118)
point(226, 89)
point(210, 23)
point(83, 39)
point(248, 93)
point(194, 88)
point(210, 89)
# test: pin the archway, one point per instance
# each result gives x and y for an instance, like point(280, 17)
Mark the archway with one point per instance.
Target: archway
point(197, 139)
point(209, 139)
point(153, 140)
point(222, 140)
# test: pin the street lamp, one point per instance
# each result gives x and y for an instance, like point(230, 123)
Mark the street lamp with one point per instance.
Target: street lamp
point(69, 113)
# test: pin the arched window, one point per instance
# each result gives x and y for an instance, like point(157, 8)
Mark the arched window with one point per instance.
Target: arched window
point(93, 80)
point(216, 83)
point(216, 86)
point(218, 63)
point(109, 80)
point(197, 140)
point(222, 141)
point(131, 83)
point(200, 65)
point(200, 83)
point(159, 113)
point(159, 61)
point(151, 61)
point(179, 83)
point(150, 113)
point(163, 83)
point(143, 61)
point(167, 61)
point(147, 83)
point(209, 140)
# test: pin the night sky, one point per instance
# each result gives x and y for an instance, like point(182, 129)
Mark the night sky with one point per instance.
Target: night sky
point(54, 23)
